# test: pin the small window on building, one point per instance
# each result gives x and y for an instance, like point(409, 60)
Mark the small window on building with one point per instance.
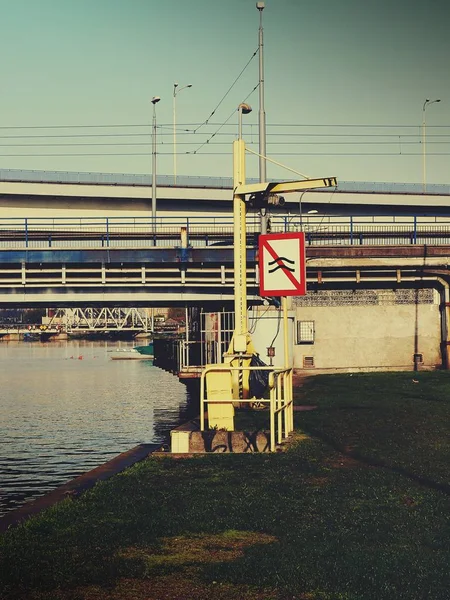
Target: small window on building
point(305, 332)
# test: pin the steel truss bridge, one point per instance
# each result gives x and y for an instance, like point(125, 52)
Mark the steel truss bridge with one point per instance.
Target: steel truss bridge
point(170, 261)
point(86, 320)
point(103, 319)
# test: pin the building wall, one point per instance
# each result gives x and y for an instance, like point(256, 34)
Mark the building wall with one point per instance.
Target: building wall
point(378, 334)
point(267, 329)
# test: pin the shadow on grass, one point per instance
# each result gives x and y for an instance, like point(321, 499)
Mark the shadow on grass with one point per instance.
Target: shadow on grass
point(397, 422)
point(371, 461)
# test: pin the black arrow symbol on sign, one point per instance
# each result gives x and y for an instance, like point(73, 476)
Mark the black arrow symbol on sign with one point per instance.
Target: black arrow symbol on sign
point(279, 261)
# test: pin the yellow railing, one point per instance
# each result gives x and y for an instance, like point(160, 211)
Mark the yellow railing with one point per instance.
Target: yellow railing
point(280, 399)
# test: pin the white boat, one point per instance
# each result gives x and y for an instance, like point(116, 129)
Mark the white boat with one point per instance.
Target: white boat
point(128, 354)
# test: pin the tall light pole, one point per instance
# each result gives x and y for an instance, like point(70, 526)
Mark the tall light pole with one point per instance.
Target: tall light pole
point(424, 141)
point(262, 115)
point(176, 91)
point(155, 101)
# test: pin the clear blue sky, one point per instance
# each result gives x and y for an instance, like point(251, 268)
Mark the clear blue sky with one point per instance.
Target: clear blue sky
point(332, 69)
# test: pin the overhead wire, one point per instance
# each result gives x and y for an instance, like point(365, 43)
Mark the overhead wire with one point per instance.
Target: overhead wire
point(275, 137)
point(195, 130)
point(229, 134)
point(223, 124)
point(169, 153)
point(228, 91)
point(168, 125)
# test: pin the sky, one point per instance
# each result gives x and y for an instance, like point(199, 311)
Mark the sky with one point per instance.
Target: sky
point(345, 83)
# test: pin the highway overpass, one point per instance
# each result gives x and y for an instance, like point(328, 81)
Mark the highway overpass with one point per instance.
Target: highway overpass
point(63, 194)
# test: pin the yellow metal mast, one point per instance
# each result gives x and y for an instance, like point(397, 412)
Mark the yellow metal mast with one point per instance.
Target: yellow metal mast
point(226, 387)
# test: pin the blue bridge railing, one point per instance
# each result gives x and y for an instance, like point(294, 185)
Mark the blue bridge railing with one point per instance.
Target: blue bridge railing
point(138, 232)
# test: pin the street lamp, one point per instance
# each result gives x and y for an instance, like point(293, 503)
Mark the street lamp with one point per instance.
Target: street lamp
point(176, 91)
point(154, 101)
point(424, 177)
point(243, 109)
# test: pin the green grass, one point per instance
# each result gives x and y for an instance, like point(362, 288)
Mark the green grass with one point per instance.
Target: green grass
point(400, 420)
point(357, 508)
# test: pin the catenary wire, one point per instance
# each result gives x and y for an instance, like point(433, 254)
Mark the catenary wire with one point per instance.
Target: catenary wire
point(228, 91)
point(222, 125)
point(379, 154)
point(330, 125)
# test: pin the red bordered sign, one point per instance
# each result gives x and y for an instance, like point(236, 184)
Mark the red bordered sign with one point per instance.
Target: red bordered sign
point(282, 264)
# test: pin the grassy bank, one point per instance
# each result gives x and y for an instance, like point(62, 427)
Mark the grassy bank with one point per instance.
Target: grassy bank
point(356, 509)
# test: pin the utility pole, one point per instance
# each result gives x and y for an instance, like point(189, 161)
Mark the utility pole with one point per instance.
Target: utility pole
point(176, 90)
point(155, 101)
point(424, 142)
point(262, 115)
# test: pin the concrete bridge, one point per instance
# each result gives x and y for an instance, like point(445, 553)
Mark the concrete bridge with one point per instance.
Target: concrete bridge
point(176, 276)
point(377, 258)
point(52, 194)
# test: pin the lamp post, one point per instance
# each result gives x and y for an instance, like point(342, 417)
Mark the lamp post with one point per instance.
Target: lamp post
point(155, 101)
point(176, 91)
point(424, 141)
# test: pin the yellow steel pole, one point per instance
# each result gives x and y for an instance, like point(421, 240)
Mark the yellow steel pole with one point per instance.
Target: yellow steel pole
point(285, 331)
point(221, 415)
point(240, 249)
point(287, 388)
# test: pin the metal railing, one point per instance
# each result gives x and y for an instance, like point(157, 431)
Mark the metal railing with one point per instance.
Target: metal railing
point(133, 232)
point(280, 401)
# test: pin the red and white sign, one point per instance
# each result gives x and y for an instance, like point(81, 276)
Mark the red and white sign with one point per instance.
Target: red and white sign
point(282, 264)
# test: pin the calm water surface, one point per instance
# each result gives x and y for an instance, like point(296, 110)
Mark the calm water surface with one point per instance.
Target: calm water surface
point(66, 407)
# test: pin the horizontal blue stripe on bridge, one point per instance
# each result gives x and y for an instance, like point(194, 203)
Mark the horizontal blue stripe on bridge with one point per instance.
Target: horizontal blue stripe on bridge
point(126, 256)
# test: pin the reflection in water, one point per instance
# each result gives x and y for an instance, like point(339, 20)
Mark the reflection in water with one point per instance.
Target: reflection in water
point(67, 407)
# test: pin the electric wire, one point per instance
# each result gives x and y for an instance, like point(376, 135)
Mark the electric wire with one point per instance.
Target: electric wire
point(228, 91)
point(274, 139)
point(222, 125)
point(169, 153)
point(256, 320)
point(229, 133)
point(212, 113)
point(396, 137)
point(225, 143)
point(278, 328)
point(334, 141)
point(168, 125)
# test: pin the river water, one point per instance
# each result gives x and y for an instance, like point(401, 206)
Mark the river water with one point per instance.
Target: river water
point(66, 407)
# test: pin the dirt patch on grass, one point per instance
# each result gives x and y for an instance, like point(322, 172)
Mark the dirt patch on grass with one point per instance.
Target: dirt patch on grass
point(184, 551)
point(175, 570)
